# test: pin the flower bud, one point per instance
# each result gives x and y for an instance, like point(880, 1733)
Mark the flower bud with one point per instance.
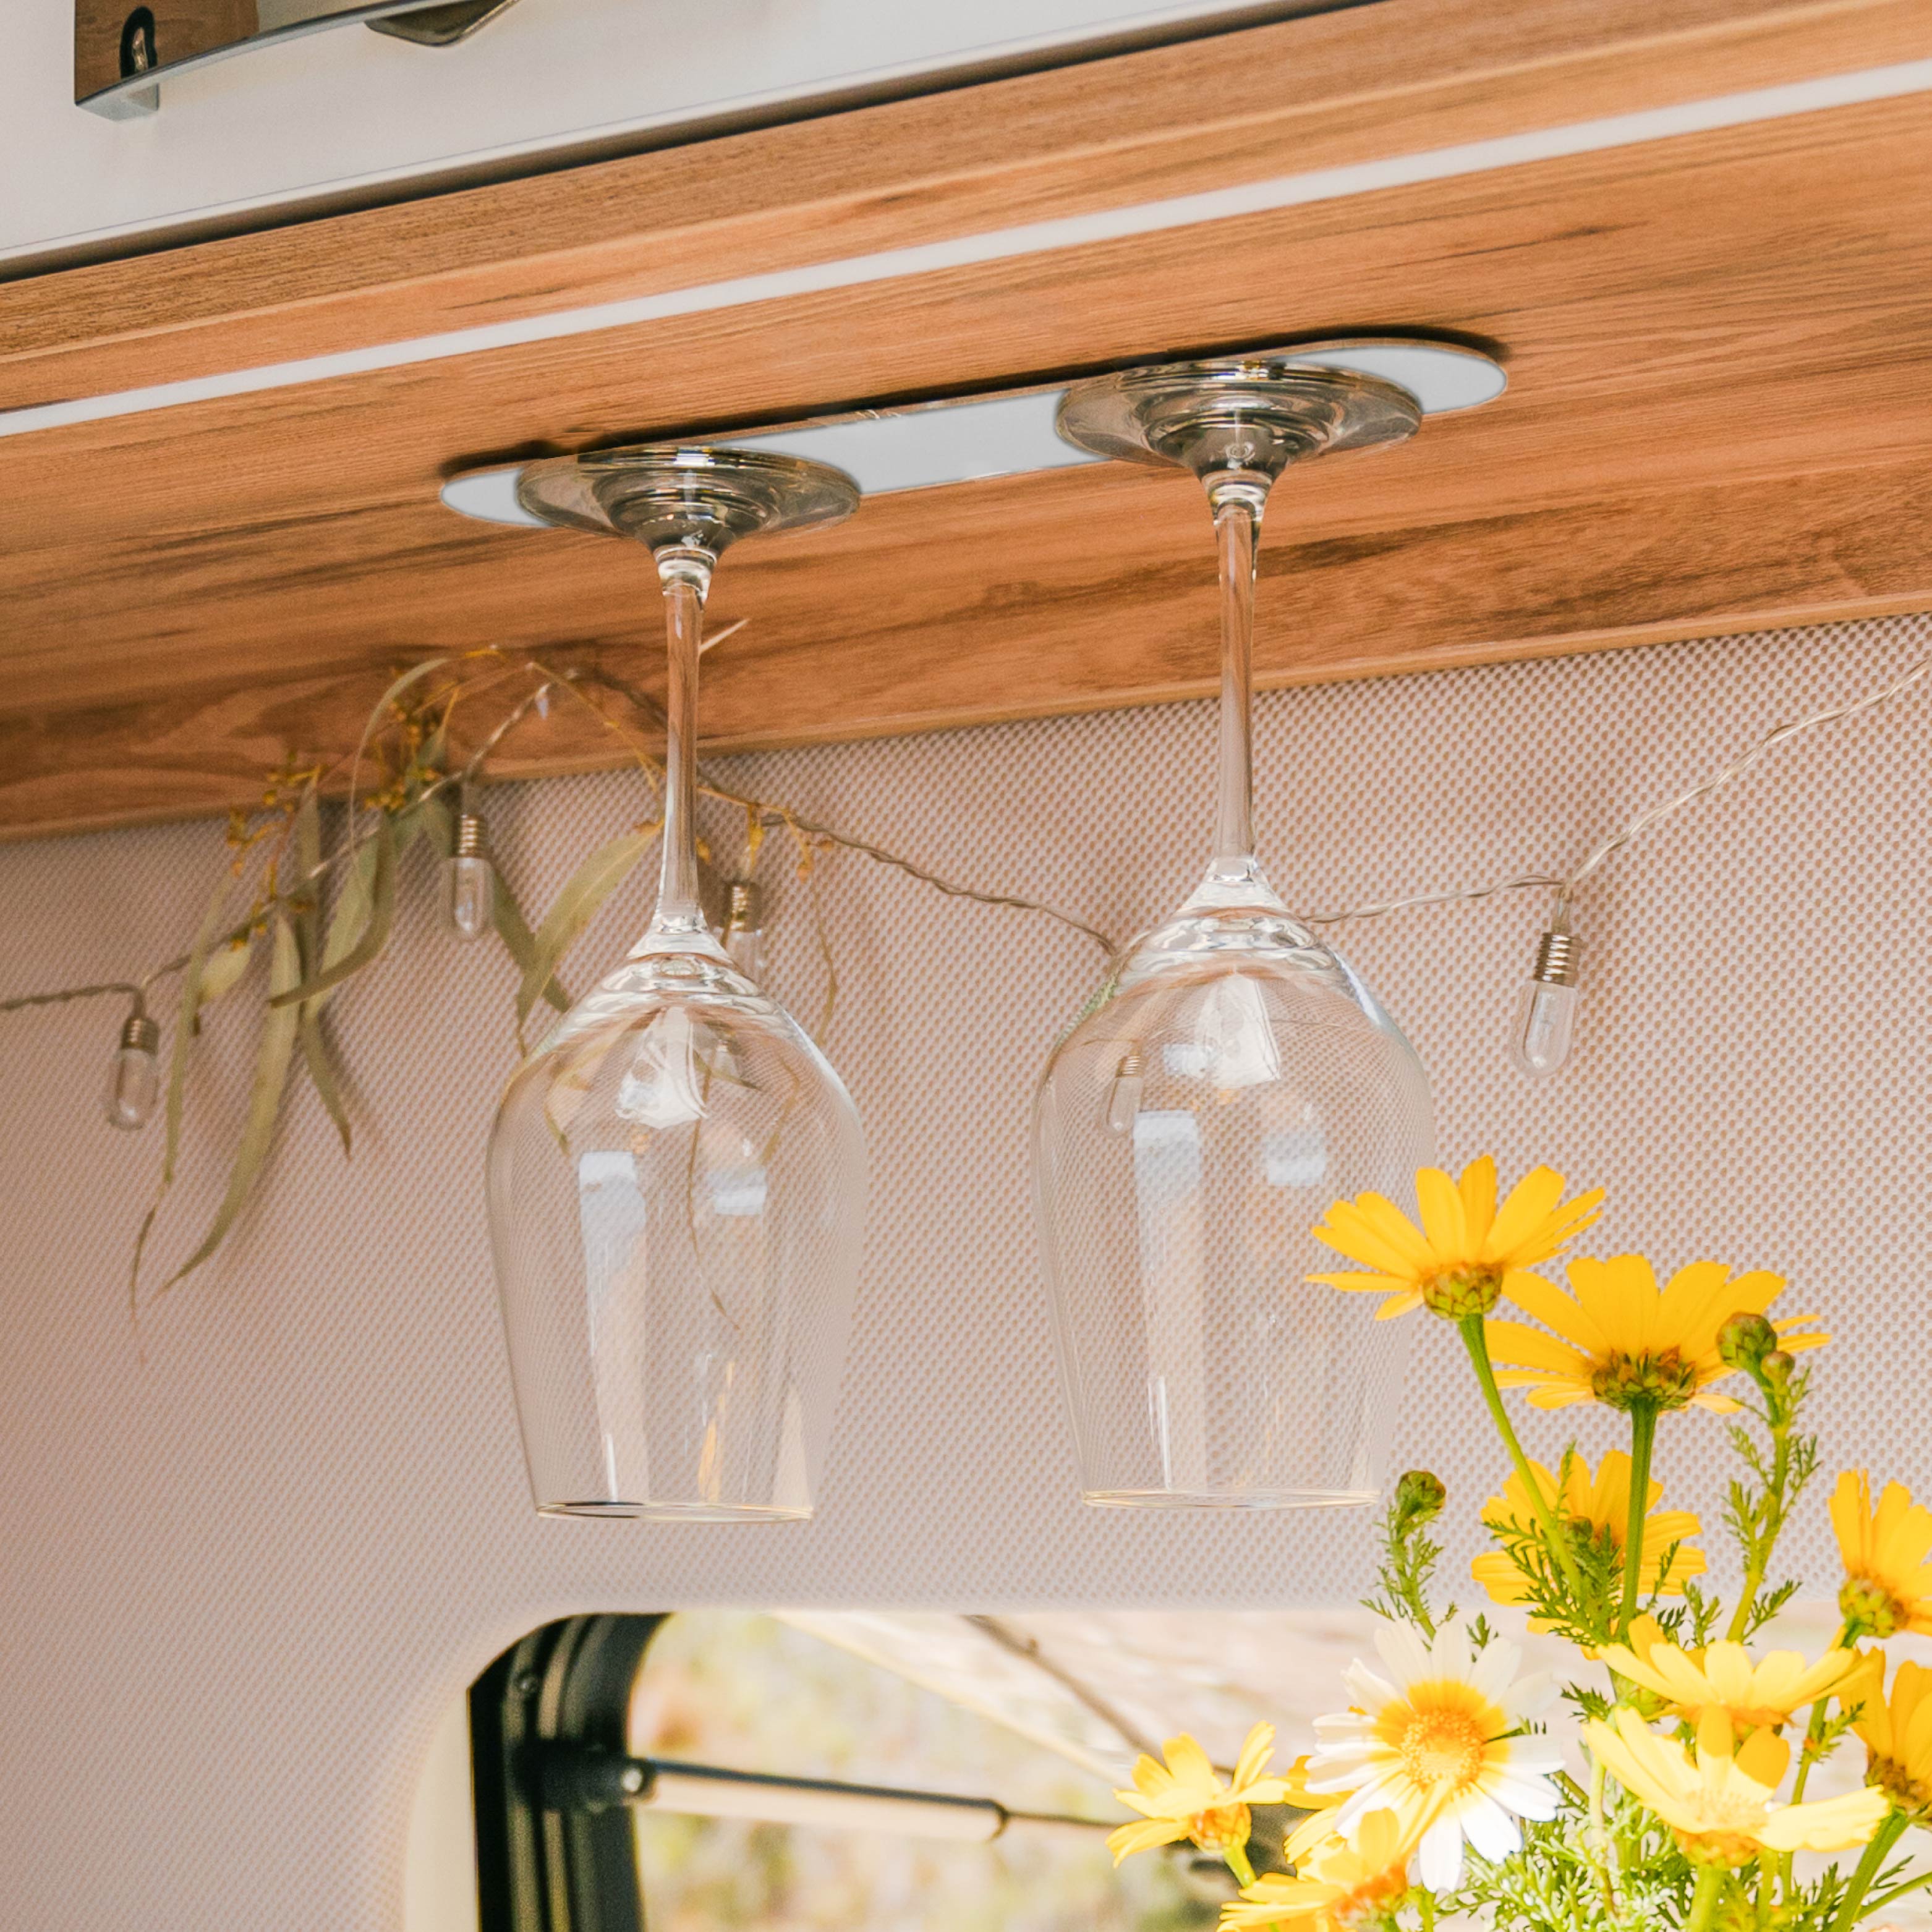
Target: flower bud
point(1744, 1340)
point(1419, 1496)
point(1777, 1366)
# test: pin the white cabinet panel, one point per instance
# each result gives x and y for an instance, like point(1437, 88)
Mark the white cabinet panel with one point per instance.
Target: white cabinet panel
point(342, 112)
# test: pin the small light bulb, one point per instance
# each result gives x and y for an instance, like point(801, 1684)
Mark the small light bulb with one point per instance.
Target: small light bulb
point(1123, 1097)
point(472, 880)
point(1546, 1017)
point(745, 929)
point(134, 1073)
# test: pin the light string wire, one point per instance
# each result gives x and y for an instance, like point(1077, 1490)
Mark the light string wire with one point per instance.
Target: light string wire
point(1566, 885)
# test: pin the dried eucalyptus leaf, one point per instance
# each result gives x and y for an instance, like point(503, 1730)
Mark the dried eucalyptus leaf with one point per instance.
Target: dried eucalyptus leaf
point(315, 1056)
point(375, 933)
point(350, 917)
point(519, 942)
point(213, 922)
point(309, 941)
point(224, 966)
point(265, 1099)
point(437, 823)
point(379, 713)
point(308, 862)
point(594, 881)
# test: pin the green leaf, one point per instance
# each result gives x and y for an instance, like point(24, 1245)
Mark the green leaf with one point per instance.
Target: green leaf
point(519, 942)
point(350, 917)
point(338, 966)
point(308, 881)
point(214, 922)
point(265, 1099)
point(593, 882)
point(379, 711)
point(436, 822)
point(309, 940)
point(224, 966)
point(315, 1056)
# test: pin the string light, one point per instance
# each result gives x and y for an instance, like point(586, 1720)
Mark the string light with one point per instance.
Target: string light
point(473, 879)
point(1554, 970)
point(1546, 1014)
point(134, 1073)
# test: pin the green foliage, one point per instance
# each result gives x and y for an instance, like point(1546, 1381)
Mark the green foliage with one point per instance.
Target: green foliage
point(589, 886)
point(1690, 1622)
point(1759, 1502)
point(272, 1056)
point(1409, 1555)
point(1570, 1878)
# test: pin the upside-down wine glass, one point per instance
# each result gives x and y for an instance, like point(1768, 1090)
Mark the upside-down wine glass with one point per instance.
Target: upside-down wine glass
point(676, 1176)
point(1234, 1075)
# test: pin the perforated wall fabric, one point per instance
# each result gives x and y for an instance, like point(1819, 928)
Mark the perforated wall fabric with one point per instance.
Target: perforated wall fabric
point(249, 1551)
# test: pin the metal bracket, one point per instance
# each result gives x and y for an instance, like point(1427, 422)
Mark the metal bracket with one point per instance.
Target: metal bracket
point(122, 52)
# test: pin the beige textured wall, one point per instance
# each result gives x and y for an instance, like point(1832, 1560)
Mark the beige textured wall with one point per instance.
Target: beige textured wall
point(247, 1555)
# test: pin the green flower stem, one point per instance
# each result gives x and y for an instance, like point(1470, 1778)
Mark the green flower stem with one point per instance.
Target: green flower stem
point(1643, 1436)
point(1898, 1892)
point(1237, 1856)
point(1814, 1734)
point(1470, 1327)
point(1781, 1474)
point(1883, 1839)
point(1596, 1838)
point(1704, 1899)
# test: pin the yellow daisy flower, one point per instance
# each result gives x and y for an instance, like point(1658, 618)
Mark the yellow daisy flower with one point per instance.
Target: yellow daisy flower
point(1597, 1511)
point(1721, 1800)
point(1619, 1340)
point(1888, 1584)
point(1294, 1789)
point(1722, 1677)
point(1897, 1731)
point(1467, 1253)
point(1182, 1798)
point(1442, 1742)
point(1335, 1883)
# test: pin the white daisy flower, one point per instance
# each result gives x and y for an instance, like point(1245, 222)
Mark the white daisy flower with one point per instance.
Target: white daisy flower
point(1438, 1741)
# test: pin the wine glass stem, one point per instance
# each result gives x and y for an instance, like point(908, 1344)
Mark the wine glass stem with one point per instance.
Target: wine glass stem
point(1236, 521)
point(679, 912)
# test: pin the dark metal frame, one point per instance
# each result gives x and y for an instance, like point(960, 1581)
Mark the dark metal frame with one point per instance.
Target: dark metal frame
point(547, 1860)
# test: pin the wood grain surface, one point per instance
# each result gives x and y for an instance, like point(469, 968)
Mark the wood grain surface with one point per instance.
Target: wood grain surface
point(1720, 414)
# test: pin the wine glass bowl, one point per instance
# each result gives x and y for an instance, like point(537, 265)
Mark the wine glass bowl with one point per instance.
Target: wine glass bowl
point(1191, 1130)
point(1234, 1075)
point(682, 1166)
point(676, 1174)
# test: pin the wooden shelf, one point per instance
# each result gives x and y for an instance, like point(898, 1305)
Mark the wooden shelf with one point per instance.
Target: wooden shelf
point(1720, 414)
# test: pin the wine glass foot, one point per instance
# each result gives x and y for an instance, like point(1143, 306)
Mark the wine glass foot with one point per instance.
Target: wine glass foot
point(1253, 416)
point(673, 495)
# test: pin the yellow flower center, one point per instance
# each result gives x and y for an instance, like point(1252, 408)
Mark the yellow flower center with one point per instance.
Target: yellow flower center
point(1220, 1825)
point(1372, 1894)
point(1468, 1287)
point(1665, 1379)
point(1898, 1784)
point(1727, 1832)
point(1442, 1747)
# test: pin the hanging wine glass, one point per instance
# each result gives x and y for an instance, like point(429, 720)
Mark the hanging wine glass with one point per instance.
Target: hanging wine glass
point(676, 1176)
point(1234, 1076)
